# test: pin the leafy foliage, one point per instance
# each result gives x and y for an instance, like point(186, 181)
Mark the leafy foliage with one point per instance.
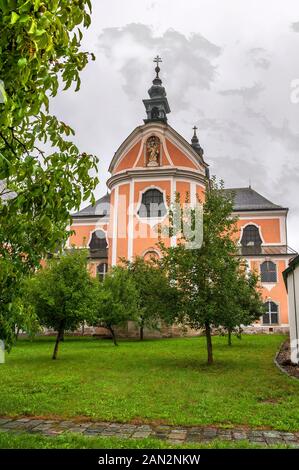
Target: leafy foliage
point(24, 318)
point(43, 175)
point(115, 300)
point(243, 305)
point(210, 280)
point(158, 300)
point(62, 293)
point(8, 294)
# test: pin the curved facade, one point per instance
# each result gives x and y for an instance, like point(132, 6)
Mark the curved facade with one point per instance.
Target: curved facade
point(150, 168)
point(155, 161)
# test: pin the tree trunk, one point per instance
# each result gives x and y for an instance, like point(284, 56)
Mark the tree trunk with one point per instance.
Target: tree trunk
point(209, 343)
point(113, 335)
point(229, 337)
point(141, 332)
point(60, 335)
point(17, 333)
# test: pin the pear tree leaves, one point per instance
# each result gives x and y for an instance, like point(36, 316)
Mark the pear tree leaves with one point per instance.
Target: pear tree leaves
point(43, 174)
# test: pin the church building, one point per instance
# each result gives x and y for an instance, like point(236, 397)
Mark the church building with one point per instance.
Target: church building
point(149, 168)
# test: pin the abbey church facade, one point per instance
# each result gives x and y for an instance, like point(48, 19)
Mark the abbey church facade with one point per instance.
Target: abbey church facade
point(149, 169)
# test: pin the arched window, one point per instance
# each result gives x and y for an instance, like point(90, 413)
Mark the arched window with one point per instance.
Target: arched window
point(268, 272)
point(102, 270)
point(151, 255)
point(270, 316)
point(251, 240)
point(152, 204)
point(98, 241)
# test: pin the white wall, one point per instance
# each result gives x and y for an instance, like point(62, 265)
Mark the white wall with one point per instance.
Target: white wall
point(293, 292)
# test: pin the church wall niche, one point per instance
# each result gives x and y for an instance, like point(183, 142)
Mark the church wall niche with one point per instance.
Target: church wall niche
point(153, 151)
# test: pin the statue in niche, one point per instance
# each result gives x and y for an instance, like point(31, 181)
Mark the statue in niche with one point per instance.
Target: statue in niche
point(153, 151)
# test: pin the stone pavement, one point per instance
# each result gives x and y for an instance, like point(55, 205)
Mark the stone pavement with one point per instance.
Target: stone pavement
point(172, 434)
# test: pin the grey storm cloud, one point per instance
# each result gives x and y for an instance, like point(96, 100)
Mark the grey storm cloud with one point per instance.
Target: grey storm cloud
point(189, 59)
point(295, 27)
point(226, 129)
point(259, 57)
point(282, 133)
point(247, 93)
point(231, 169)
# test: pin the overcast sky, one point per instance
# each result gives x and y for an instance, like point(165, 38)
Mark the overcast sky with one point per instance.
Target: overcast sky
point(227, 67)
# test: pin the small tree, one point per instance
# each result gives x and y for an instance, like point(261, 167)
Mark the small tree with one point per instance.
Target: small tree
point(208, 275)
point(62, 293)
point(157, 298)
point(244, 305)
point(9, 284)
point(115, 301)
point(24, 318)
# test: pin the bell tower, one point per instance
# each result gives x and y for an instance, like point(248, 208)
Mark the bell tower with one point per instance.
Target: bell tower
point(157, 106)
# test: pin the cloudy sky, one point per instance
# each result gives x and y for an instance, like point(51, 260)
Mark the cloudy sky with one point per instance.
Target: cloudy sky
point(229, 67)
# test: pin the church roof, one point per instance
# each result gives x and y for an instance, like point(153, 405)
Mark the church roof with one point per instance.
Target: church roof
point(100, 209)
point(247, 199)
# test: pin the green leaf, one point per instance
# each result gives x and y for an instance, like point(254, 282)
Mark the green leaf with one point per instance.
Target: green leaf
point(24, 18)
point(22, 62)
point(40, 32)
point(3, 95)
point(32, 27)
point(36, 5)
point(14, 17)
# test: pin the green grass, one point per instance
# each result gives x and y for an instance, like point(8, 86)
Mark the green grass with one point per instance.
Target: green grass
point(73, 441)
point(163, 381)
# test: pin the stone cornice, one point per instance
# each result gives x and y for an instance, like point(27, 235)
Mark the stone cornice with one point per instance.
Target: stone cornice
point(147, 173)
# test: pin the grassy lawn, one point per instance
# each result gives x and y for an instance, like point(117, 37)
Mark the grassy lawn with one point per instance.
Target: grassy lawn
point(166, 381)
point(73, 441)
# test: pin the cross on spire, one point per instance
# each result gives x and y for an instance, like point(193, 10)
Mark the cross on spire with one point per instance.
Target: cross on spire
point(157, 61)
point(194, 140)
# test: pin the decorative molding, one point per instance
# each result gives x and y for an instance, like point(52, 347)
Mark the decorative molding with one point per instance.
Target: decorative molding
point(260, 232)
point(95, 230)
point(160, 172)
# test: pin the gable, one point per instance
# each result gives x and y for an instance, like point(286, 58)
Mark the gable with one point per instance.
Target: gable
point(174, 150)
point(129, 158)
point(179, 158)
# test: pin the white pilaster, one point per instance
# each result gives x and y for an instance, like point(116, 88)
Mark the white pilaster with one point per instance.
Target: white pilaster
point(131, 221)
point(115, 227)
point(173, 240)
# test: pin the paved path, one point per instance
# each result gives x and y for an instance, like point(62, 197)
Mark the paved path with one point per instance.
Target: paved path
point(172, 434)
